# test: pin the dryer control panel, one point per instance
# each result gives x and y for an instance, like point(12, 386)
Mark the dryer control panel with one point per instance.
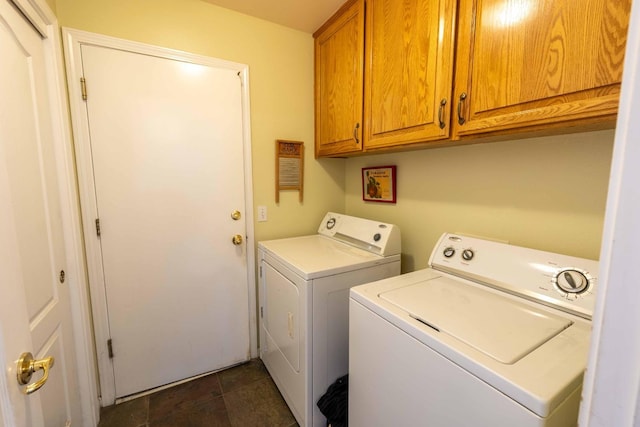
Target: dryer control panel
point(373, 236)
point(561, 281)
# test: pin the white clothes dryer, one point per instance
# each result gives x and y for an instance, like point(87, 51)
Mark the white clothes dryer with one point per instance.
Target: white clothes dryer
point(304, 303)
point(491, 335)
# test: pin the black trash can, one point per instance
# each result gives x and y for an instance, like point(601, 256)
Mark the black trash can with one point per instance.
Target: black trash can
point(334, 404)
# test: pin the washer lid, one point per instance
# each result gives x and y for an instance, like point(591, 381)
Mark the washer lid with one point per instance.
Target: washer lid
point(500, 327)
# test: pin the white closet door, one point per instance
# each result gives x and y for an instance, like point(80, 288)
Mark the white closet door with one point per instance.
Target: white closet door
point(35, 314)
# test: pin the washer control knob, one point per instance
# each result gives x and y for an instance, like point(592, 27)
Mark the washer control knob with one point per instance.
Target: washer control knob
point(448, 252)
point(571, 281)
point(467, 254)
point(331, 223)
point(377, 237)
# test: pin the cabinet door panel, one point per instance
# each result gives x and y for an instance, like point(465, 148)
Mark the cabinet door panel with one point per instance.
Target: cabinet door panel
point(339, 51)
point(539, 62)
point(409, 70)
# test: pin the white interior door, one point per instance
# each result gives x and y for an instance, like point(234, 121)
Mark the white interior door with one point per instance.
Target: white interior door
point(166, 144)
point(35, 313)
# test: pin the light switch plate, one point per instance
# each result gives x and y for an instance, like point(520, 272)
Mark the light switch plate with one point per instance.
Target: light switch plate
point(262, 213)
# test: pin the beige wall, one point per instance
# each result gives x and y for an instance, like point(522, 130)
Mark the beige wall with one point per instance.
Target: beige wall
point(281, 82)
point(52, 4)
point(545, 193)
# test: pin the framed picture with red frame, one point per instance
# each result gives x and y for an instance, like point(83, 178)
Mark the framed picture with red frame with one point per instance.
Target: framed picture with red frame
point(379, 184)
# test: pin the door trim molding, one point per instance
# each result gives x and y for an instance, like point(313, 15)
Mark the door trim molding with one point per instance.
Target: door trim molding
point(611, 389)
point(73, 40)
point(39, 16)
point(45, 22)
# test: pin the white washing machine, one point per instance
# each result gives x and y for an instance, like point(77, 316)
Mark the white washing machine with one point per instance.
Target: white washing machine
point(491, 335)
point(304, 303)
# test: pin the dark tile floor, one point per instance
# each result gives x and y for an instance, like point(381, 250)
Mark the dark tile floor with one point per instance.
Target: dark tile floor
point(242, 396)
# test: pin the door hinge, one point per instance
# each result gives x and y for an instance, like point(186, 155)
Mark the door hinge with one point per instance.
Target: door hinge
point(110, 348)
point(260, 271)
point(98, 227)
point(261, 312)
point(83, 88)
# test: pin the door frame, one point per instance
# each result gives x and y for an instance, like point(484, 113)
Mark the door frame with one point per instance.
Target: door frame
point(611, 390)
point(73, 40)
point(45, 22)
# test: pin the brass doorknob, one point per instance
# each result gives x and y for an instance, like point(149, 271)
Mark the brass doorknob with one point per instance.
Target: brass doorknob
point(237, 239)
point(27, 365)
point(236, 215)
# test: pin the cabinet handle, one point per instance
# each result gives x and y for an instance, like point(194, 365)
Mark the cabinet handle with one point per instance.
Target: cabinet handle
point(461, 119)
point(355, 133)
point(443, 102)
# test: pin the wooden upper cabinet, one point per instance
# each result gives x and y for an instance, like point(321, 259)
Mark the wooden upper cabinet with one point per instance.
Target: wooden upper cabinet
point(339, 56)
point(385, 81)
point(409, 67)
point(537, 64)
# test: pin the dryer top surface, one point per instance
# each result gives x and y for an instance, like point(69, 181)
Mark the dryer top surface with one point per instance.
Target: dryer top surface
point(319, 256)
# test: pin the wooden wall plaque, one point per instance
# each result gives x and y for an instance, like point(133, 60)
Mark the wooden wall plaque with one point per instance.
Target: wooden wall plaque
point(289, 166)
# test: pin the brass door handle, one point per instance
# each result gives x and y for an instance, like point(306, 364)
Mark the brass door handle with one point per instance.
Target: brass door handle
point(27, 365)
point(237, 239)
